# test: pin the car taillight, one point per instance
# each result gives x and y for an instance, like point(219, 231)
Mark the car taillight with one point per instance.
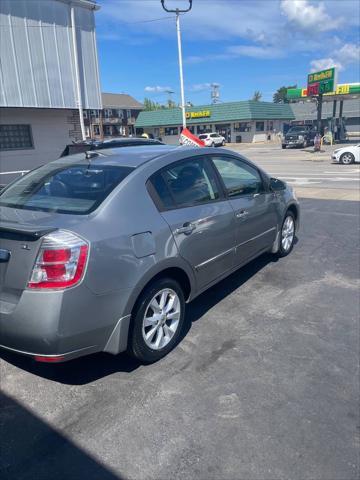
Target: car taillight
point(61, 261)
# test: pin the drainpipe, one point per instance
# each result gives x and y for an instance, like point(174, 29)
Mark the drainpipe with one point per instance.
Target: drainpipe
point(77, 72)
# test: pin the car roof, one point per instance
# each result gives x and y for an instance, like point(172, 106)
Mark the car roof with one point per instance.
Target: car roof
point(125, 156)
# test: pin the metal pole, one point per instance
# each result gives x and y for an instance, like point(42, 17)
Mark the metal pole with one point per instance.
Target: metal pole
point(182, 93)
point(77, 73)
point(319, 113)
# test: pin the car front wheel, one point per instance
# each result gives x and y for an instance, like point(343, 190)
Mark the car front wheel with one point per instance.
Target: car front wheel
point(287, 235)
point(157, 321)
point(347, 158)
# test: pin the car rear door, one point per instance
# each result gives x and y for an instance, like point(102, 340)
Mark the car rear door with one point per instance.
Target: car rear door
point(254, 207)
point(201, 219)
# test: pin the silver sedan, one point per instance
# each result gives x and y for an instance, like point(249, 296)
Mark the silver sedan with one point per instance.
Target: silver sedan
point(102, 251)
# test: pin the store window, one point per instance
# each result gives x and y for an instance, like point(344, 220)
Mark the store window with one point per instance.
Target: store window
point(128, 113)
point(204, 129)
point(15, 137)
point(96, 130)
point(107, 130)
point(242, 127)
point(171, 131)
point(260, 126)
point(107, 113)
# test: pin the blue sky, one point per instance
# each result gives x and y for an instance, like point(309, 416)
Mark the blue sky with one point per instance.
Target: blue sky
point(244, 45)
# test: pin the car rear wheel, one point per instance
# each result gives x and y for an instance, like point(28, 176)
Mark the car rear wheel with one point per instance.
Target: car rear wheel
point(287, 235)
point(347, 158)
point(158, 321)
point(223, 143)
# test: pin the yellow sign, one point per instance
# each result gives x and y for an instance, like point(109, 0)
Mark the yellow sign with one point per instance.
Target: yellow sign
point(201, 114)
point(343, 89)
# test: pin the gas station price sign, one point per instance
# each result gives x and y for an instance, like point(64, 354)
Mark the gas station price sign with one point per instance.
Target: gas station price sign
point(321, 82)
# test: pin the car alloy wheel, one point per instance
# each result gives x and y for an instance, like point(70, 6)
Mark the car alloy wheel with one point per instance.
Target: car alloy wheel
point(287, 233)
point(161, 319)
point(347, 158)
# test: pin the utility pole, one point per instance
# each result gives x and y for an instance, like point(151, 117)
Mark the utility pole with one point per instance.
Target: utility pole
point(319, 112)
point(177, 11)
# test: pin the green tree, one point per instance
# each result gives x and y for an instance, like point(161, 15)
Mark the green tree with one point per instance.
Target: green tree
point(257, 96)
point(280, 94)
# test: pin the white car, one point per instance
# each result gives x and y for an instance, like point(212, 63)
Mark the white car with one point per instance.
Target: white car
point(212, 139)
point(347, 155)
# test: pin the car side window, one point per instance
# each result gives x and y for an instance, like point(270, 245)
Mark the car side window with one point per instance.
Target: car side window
point(239, 178)
point(190, 182)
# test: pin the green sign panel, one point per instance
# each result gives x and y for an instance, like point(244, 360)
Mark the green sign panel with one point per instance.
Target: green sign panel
point(321, 82)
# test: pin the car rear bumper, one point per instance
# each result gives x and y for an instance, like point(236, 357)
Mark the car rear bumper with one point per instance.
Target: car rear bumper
point(62, 325)
point(57, 358)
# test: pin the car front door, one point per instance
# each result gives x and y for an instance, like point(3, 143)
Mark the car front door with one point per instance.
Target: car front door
point(201, 219)
point(254, 207)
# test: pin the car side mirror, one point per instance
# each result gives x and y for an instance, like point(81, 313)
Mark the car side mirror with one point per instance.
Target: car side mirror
point(277, 185)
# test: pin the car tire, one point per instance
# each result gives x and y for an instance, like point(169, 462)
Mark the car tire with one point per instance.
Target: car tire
point(287, 235)
point(347, 158)
point(283, 146)
point(223, 143)
point(305, 144)
point(213, 144)
point(146, 344)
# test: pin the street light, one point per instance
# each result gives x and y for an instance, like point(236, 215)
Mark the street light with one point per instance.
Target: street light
point(177, 11)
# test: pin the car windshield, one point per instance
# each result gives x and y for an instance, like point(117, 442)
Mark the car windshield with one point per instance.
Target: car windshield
point(61, 187)
point(297, 129)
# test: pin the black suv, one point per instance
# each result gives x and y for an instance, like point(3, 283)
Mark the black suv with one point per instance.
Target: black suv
point(299, 136)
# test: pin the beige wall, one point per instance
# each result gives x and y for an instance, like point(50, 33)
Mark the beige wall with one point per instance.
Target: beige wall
point(52, 130)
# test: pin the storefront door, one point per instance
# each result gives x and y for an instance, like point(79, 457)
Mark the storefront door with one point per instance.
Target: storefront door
point(224, 130)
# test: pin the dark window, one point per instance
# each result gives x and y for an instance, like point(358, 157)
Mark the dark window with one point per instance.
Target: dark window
point(239, 177)
point(15, 137)
point(64, 188)
point(242, 127)
point(160, 192)
point(171, 131)
point(190, 182)
point(214, 135)
point(260, 126)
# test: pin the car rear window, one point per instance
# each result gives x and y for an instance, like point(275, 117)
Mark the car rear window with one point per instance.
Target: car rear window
point(202, 137)
point(64, 188)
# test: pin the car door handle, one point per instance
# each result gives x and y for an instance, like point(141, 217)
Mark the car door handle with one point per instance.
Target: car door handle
point(241, 214)
point(187, 228)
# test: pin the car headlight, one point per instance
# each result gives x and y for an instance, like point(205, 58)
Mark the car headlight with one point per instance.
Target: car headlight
point(301, 137)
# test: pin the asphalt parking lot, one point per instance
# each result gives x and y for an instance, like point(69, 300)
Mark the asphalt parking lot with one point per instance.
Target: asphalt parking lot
point(264, 386)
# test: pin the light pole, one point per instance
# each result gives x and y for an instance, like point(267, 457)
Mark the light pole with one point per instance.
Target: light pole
point(177, 11)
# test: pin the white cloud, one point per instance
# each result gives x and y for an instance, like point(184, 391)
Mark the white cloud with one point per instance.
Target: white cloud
point(201, 87)
point(308, 16)
point(255, 51)
point(156, 89)
point(323, 63)
point(349, 53)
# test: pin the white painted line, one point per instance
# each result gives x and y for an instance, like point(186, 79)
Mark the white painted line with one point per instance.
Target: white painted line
point(12, 173)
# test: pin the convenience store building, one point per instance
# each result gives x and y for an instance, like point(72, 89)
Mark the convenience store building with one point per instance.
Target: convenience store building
point(245, 121)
